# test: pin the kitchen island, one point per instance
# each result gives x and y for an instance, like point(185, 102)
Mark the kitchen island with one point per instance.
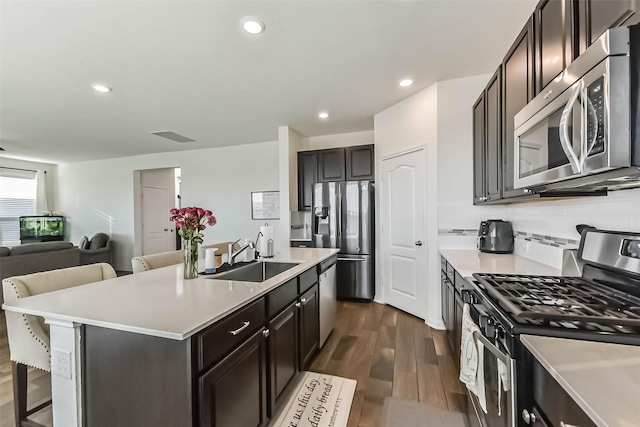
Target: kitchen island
point(603, 379)
point(152, 348)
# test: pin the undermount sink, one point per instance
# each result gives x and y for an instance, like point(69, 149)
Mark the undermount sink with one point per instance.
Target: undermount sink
point(258, 272)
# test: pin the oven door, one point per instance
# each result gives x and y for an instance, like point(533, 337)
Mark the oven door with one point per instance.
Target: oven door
point(500, 404)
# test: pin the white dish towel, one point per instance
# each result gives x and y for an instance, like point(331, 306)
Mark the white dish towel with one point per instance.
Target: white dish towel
point(472, 358)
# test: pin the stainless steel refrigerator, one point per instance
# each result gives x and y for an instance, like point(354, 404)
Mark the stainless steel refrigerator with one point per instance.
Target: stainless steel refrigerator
point(343, 217)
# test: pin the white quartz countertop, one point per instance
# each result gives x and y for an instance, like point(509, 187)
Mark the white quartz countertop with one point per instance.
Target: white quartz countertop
point(603, 378)
point(160, 302)
point(469, 261)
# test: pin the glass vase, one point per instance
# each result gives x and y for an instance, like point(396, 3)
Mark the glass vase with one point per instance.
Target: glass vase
point(190, 259)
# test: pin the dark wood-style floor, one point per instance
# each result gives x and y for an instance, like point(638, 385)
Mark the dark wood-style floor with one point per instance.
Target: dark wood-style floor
point(389, 353)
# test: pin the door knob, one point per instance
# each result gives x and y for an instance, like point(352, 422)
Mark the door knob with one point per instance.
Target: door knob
point(419, 243)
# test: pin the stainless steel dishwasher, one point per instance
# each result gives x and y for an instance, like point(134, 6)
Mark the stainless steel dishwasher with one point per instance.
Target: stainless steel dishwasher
point(327, 298)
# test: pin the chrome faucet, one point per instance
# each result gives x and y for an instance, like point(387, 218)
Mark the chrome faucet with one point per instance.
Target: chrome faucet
point(232, 255)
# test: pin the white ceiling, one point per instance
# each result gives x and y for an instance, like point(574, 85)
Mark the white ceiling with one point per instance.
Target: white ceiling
point(186, 66)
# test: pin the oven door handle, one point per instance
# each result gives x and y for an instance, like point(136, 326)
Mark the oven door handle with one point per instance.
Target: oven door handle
point(511, 369)
point(504, 358)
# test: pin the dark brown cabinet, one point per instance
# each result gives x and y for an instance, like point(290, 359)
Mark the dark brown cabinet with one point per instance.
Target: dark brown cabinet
point(551, 402)
point(234, 391)
point(307, 178)
point(597, 16)
point(554, 39)
point(309, 326)
point(487, 142)
point(517, 91)
point(355, 163)
point(493, 158)
point(235, 372)
point(478, 150)
point(331, 165)
point(283, 353)
point(557, 32)
point(360, 161)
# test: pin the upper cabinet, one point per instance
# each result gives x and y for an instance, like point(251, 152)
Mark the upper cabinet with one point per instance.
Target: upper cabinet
point(517, 91)
point(307, 178)
point(597, 16)
point(557, 32)
point(478, 150)
point(331, 165)
point(355, 163)
point(487, 140)
point(360, 161)
point(554, 40)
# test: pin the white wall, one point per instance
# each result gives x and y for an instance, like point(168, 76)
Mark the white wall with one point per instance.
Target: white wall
point(338, 140)
point(289, 143)
point(455, 161)
point(94, 195)
point(409, 124)
point(51, 180)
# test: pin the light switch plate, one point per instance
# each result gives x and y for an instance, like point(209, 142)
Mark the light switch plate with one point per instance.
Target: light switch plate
point(61, 363)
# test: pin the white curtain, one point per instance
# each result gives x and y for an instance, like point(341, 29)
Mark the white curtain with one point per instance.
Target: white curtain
point(41, 192)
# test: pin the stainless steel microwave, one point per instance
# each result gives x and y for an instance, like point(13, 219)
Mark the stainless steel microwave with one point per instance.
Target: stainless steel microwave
point(582, 131)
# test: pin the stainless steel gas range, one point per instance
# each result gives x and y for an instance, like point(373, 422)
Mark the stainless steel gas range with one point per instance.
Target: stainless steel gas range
point(602, 305)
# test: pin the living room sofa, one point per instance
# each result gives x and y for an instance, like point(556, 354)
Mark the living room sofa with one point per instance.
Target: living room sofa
point(36, 257)
point(43, 256)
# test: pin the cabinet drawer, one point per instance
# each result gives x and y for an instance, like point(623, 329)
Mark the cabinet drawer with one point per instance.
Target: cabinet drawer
point(281, 297)
point(219, 339)
point(443, 264)
point(307, 279)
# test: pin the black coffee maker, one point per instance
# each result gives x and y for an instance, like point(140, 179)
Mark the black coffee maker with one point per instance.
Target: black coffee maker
point(495, 236)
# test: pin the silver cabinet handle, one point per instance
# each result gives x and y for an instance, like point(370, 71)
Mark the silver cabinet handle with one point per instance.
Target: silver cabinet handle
point(266, 333)
point(351, 259)
point(244, 326)
point(419, 243)
point(563, 424)
point(303, 300)
point(548, 94)
point(298, 305)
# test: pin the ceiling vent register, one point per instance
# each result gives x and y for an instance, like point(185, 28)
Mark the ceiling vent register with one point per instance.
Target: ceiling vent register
point(172, 136)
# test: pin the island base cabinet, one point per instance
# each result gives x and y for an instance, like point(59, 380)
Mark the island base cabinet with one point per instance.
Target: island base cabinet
point(138, 380)
point(283, 354)
point(309, 326)
point(234, 391)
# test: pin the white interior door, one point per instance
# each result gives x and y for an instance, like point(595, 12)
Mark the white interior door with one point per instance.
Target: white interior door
point(404, 258)
point(156, 234)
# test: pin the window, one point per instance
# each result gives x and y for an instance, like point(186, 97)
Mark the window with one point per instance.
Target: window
point(17, 198)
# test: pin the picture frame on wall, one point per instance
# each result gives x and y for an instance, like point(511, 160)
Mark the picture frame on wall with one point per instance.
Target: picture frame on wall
point(265, 205)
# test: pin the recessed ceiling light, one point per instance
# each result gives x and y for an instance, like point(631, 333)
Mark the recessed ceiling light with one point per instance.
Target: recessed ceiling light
point(323, 115)
point(406, 82)
point(252, 25)
point(102, 88)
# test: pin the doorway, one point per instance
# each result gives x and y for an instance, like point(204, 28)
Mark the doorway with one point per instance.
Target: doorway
point(404, 249)
point(156, 192)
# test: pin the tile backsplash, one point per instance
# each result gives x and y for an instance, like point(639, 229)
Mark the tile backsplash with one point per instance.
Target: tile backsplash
point(543, 229)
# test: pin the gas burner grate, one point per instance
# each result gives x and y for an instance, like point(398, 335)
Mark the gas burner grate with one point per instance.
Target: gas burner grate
point(564, 301)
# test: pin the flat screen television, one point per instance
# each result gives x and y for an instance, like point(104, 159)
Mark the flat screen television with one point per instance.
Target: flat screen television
point(41, 228)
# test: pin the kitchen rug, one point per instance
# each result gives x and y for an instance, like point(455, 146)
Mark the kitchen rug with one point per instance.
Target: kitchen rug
point(320, 401)
point(406, 413)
